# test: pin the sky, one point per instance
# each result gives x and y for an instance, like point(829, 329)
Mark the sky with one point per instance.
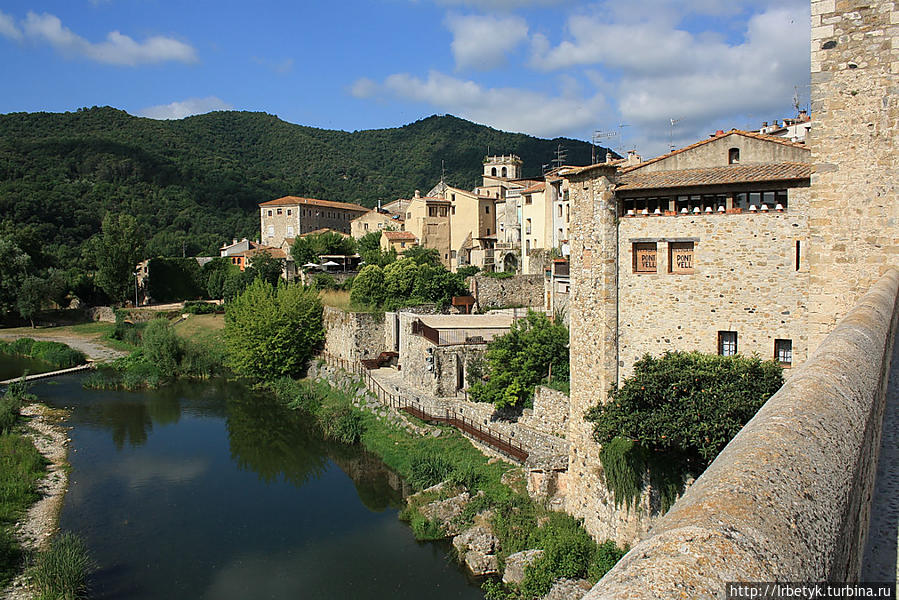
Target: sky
point(645, 74)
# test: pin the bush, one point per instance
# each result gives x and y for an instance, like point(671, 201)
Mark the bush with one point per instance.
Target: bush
point(55, 354)
point(61, 572)
point(162, 347)
point(343, 425)
point(368, 287)
point(427, 470)
point(200, 308)
point(522, 359)
point(468, 271)
point(674, 415)
point(324, 281)
point(272, 332)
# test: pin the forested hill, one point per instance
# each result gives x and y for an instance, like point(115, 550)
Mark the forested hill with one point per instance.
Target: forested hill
point(195, 182)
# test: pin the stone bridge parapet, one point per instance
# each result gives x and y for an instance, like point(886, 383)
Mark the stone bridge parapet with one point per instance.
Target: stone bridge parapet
point(789, 498)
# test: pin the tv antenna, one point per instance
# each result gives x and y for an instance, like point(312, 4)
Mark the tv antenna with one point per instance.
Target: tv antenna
point(674, 123)
point(561, 155)
point(597, 137)
point(621, 127)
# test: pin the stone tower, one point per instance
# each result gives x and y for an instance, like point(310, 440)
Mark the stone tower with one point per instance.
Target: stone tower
point(503, 166)
point(854, 209)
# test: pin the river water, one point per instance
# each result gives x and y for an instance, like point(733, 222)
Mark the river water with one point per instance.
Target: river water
point(14, 366)
point(207, 490)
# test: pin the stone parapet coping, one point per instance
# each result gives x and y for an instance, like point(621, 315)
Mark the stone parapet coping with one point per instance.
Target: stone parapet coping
point(789, 498)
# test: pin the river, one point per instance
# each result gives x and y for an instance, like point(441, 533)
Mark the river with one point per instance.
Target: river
point(207, 490)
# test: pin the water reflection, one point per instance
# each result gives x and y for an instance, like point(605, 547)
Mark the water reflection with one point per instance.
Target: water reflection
point(210, 490)
point(16, 366)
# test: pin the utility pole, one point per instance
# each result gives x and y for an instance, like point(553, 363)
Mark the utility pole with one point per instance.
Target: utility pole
point(136, 273)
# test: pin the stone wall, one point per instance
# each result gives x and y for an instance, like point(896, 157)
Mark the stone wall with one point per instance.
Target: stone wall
point(789, 498)
point(593, 305)
point(854, 212)
point(745, 279)
point(520, 290)
point(353, 336)
point(550, 412)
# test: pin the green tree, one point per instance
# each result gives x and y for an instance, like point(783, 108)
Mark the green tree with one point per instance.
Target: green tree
point(272, 331)
point(14, 267)
point(423, 256)
point(399, 278)
point(162, 346)
point(437, 284)
point(369, 248)
point(32, 295)
point(266, 267)
point(522, 359)
point(308, 248)
point(115, 251)
point(368, 287)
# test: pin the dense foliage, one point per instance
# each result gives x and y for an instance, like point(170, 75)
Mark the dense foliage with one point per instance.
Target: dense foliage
point(675, 414)
point(307, 249)
point(405, 282)
point(195, 182)
point(55, 354)
point(533, 350)
point(272, 331)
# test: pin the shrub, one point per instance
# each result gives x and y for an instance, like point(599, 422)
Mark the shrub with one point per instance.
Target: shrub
point(343, 425)
point(272, 332)
point(162, 346)
point(324, 281)
point(200, 308)
point(426, 470)
point(61, 572)
point(468, 271)
point(674, 415)
point(521, 359)
point(368, 287)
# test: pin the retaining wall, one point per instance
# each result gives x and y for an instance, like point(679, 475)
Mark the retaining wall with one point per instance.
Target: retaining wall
point(520, 290)
point(353, 336)
point(789, 498)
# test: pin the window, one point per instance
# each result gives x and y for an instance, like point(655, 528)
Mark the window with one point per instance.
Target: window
point(783, 352)
point(680, 257)
point(279, 211)
point(453, 253)
point(527, 199)
point(271, 231)
point(269, 213)
point(453, 197)
point(527, 245)
point(797, 255)
point(487, 209)
point(560, 211)
point(452, 210)
point(288, 212)
point(488, 231)
point(527, 228)
point(504, 171)
point(442, 211)
point(290, 231)
point(727, 343)
point(432, 211)
point(402, 244)
point(733, 156)
point(493, 171)
point(365, 226)
point(644, 256)
point(567, 213)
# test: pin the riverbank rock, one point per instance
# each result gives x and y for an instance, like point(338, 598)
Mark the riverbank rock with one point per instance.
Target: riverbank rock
point(446, 511)
point(568, 589)
point(477, 547)
point(517, 563)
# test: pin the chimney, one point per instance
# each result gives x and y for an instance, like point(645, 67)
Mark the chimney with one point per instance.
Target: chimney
point(720, 132)
point(234, 241)
point(803, 115)
point(379, 205)
point(417, 194)
point(608, 157)
point(633, 158)
point(764, 124)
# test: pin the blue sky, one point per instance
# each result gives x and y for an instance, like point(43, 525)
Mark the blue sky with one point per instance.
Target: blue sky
point(543, 67)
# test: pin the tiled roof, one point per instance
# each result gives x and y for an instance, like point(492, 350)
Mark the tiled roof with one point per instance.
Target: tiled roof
point(638, 180)
point(324, 230)
point(535, 188)
point(297, 201)
point(399, 235)
point(273, 252)
point(751, 134)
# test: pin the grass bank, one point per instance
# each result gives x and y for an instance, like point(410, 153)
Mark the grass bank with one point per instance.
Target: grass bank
point(55, 354)
point(495, 486)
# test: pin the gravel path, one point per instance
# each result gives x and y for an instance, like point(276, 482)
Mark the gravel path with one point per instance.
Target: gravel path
point(93, 348)
point(880, 560)
point(42, 519)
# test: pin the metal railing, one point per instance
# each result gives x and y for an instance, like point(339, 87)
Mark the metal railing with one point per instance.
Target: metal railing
point(482, 433)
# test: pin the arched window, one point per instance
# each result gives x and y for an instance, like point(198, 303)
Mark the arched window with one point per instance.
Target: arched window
point(493, 171)
point(733, 156)
point(504, 171)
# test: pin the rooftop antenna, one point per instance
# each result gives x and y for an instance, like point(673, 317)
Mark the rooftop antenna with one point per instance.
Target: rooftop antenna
point(673, 122)
point(796, 98)
point(561, 155)
point(599, 135)
point(621, 127)
point(442, 171)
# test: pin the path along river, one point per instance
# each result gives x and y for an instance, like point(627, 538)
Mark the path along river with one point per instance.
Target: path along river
point(207, 490)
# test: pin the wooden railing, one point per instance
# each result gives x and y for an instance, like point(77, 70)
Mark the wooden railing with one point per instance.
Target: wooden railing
point(482, 433)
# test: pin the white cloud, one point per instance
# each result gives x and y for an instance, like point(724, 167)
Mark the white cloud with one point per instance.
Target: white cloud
point(185, 108)
point(364, 88)
point(662, 71)
point(117, 49)
point(481, 42)
point(510, 109)
point(8, 27)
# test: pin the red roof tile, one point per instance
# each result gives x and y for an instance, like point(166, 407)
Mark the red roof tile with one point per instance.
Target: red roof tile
point(297, 201)
point(637, 180)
